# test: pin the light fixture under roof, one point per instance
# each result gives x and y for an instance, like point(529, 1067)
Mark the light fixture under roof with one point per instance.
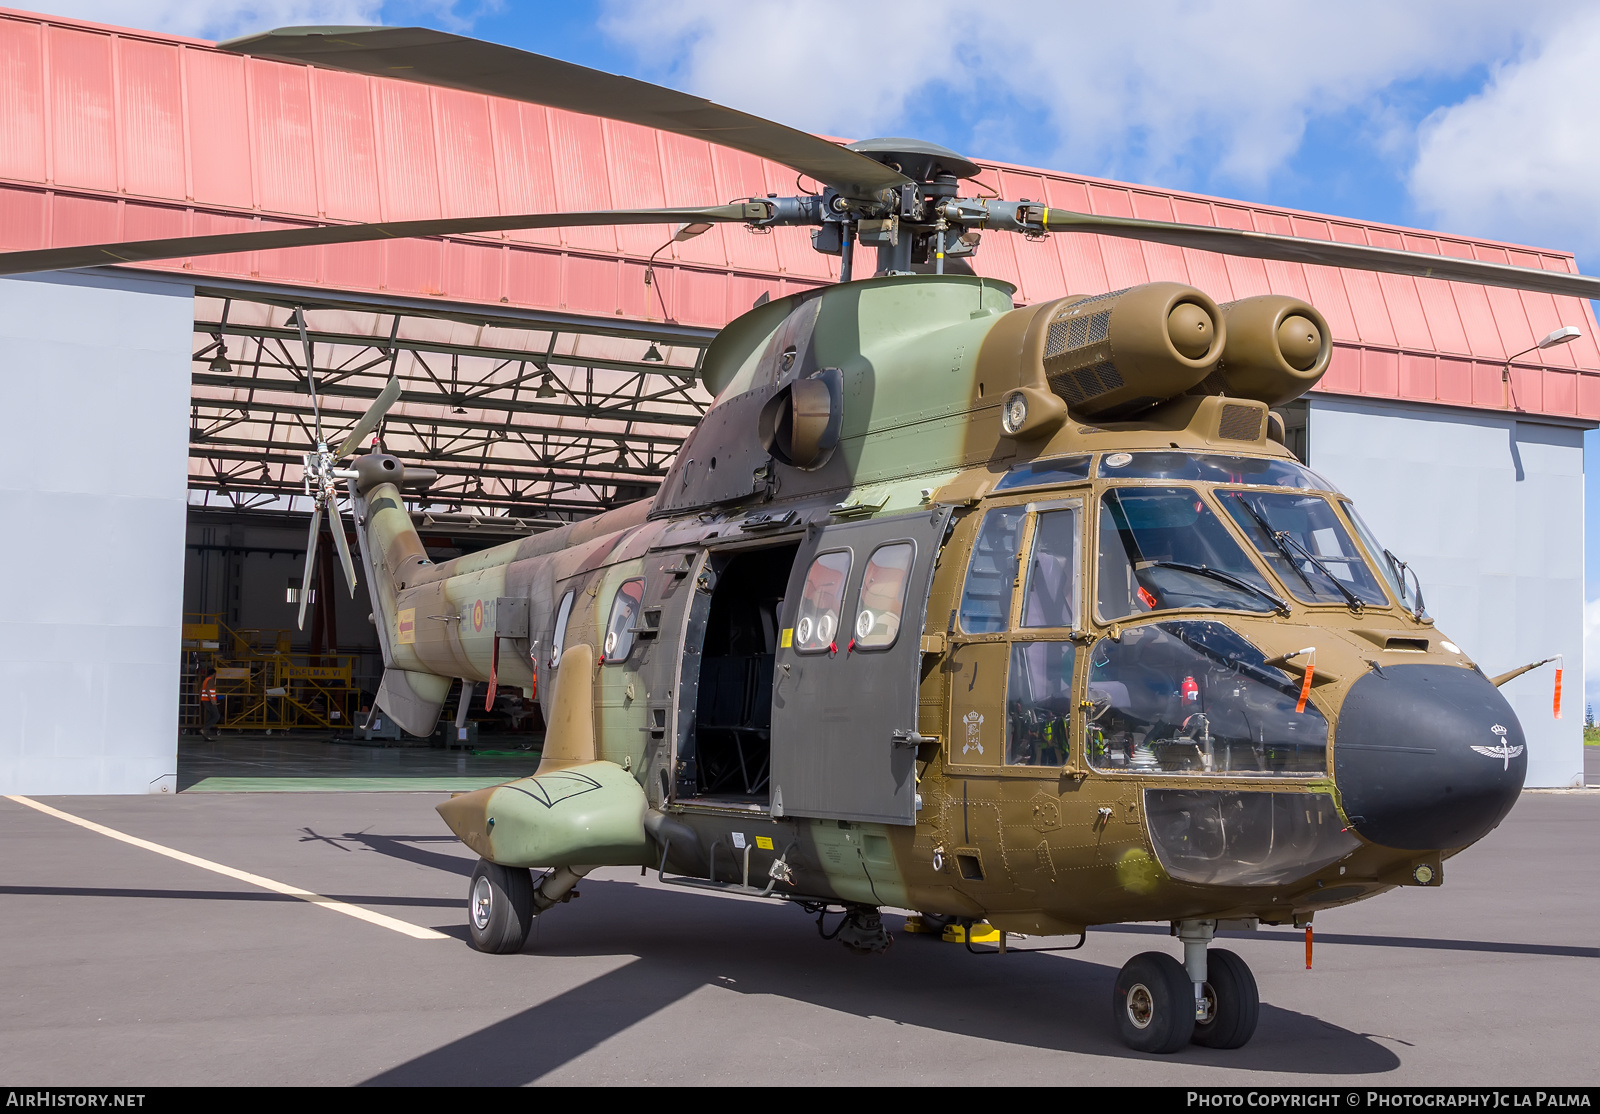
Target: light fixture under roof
point(690, 231)
point(547, 387)
point(654, 356)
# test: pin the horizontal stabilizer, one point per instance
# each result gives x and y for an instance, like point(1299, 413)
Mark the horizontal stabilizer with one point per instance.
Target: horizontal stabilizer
point(412, 699)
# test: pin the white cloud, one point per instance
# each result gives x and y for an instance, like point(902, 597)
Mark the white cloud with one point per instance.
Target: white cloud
point(1521, 159)
point(1170, 90)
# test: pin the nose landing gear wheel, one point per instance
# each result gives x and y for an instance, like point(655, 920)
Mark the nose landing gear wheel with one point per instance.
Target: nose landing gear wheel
point(499, 907)
point(1153, 1003)
point(1235, 1002)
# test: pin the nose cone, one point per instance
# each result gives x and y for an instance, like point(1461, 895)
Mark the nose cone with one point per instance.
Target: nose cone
point(1427, 757)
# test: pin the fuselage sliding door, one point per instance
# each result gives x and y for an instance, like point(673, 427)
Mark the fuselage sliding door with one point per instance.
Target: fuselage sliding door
point(844, 706)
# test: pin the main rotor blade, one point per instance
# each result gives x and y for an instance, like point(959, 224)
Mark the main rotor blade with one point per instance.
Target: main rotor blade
point(369, 421)
point(474, 66)
point(311, 370)
point(342, 544)
point(311, 557)
point(1327, 253)
point(178, 247)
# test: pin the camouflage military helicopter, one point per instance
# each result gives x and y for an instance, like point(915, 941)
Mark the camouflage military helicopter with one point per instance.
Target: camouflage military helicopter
point(1015, 613)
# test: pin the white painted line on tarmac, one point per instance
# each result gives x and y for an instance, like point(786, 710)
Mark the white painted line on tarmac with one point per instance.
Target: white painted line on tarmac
point(394, 924)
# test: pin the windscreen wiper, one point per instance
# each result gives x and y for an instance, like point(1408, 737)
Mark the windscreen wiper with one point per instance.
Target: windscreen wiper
point(1356, 603)
point(1272, 536)
point(1402, 568)
point(1277, 601)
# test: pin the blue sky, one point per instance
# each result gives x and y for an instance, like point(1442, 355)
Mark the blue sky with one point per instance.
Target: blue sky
point(1464, 115)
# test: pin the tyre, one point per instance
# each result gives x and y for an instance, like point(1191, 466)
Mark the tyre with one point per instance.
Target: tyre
point(1235, 1002)
point(1153, 1004)
point(499, 907)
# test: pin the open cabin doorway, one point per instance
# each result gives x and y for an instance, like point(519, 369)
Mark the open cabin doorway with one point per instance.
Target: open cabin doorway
point(726, 755)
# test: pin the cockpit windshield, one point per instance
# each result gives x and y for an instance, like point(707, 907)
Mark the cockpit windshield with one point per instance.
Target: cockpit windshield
point(1303, 541)
point(1162, 548)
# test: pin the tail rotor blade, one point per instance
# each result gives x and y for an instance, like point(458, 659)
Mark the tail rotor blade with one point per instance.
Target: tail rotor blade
point(311, 558)
point(369, 421)
point(342, 544)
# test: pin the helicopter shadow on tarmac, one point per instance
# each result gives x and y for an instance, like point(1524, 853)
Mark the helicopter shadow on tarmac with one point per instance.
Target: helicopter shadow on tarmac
point(685, 942)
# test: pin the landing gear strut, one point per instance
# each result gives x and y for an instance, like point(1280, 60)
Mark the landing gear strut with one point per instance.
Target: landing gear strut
point(1159, 1005)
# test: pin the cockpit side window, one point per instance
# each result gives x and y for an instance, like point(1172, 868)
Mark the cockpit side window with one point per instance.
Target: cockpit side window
point(1051, 596)
point(1039, 703)
point(992, 572)
point(1407, 593)
point(1162, 548)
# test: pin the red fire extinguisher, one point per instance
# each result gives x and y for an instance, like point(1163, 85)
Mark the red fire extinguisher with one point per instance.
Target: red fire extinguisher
point(1189, 692)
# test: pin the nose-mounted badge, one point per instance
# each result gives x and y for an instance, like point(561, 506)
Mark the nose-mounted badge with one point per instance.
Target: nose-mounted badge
point(1501, 750)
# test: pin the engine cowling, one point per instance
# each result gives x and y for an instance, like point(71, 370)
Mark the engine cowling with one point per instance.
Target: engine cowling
point(1276, 350)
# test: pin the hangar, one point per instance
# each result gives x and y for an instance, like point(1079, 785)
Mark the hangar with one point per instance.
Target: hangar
point(157, 413)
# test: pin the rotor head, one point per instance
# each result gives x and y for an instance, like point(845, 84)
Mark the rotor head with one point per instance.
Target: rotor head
point(916, 159)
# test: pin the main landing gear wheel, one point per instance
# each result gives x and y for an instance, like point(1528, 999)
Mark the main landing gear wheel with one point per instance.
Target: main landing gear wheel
point(1235, 1003)
point(499, 907)
point(1153, 1003)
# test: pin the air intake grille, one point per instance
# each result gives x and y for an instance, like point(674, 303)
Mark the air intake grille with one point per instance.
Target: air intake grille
point(1087, 382)
point(1240, 423)
point(1055, 341)
point(1077, 332)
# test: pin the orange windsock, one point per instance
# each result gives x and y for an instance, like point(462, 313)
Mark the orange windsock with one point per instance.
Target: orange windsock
point(1557, 708)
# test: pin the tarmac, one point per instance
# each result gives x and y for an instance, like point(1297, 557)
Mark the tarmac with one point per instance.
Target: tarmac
point(124, 966)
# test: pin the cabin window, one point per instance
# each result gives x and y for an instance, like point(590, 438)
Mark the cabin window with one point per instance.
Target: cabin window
point(1162, 548)
point(992, 572)
point(559, 636)
point(618, 643)
point(883, 595)
point(1050, 599)
point(821, 600)
point(1197, 698)
point(1039, 703)
point(1303, 542)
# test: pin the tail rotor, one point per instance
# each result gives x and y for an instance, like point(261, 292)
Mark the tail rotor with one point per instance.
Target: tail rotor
point(322, 472)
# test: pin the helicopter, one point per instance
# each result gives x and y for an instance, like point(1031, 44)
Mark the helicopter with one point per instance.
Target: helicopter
point(1022, 615)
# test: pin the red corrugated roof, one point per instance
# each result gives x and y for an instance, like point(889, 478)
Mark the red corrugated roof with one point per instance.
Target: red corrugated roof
point(107, 134)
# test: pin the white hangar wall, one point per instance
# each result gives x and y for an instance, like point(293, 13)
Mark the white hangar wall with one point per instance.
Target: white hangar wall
point(1488, 509)
point(94, 379)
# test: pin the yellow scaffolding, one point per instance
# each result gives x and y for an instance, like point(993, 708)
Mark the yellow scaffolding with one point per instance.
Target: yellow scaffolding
point(261, 684)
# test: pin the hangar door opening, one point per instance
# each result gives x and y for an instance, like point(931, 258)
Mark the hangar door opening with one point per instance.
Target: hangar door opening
point(530, 425)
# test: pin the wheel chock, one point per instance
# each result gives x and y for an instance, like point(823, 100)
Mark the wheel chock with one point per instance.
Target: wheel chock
point(981, 932)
